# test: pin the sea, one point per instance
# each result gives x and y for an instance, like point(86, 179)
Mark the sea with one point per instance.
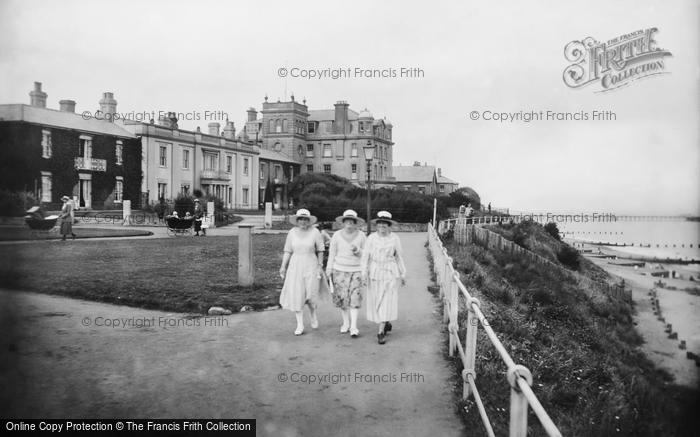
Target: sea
point(674, 238)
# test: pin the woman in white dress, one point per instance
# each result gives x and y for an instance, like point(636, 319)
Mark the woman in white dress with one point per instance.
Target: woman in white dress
point(383, 267)
point(301, 269)
point(344, 270)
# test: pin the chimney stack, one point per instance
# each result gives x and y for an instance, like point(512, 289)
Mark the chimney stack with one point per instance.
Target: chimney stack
point(252, 114)
point(108, 106)
point(229, 130)
point(340, 126)
point(67, 105)
point(214, 129)
point(37, 97)
point(439, 172)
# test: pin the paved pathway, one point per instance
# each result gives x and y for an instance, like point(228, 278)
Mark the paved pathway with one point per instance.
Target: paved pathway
point(243, 366)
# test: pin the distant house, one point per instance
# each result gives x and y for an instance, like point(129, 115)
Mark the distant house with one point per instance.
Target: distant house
point(53, 153)
point(445, 184)
point(278, 171)
point(416, 177)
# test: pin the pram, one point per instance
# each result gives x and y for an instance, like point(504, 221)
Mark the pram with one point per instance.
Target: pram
point(40, 225)
point(179, 226)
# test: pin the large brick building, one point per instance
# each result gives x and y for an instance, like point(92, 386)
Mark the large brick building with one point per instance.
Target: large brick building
point(326, 140)
point(53, 153)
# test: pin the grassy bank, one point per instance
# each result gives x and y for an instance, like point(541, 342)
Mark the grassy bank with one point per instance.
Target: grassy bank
point(589, 372)
point(173, 274)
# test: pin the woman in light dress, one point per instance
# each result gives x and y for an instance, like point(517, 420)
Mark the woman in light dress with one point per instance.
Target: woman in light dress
point(344, 270)
point(301, 269)
point(67, 217)
point(383, 267)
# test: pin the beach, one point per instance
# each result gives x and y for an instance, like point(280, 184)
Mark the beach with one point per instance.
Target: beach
point(679, 302)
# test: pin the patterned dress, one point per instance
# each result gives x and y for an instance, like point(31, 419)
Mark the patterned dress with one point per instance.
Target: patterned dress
point(301, 282)
point(347, 269)
point(382, 259)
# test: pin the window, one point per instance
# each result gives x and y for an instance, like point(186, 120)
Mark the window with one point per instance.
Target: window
point(284, 125)
point(353, 150)
point(229, 164)
point(278, 126)
point(421, 189)
point(309, 150)
point(163, 156)
point(291, 173)
point(246, 201)
point(46, 186)
point(119, 189)
point(185, 159)
point(272, 126)
point(119, 150)
point(340, 150)
point(327, 151)
point(245, 166)
point(229, 194)
point(262, 170)
point(311, 127)
point(407, 187)
point(442, 188)
point(185, 189)
point(309, 168)
point(327, 168)
point(278, 172)
point(85, 147)
point(354, 171)
point(46, 147)
point(162, 190)
point(211, 161)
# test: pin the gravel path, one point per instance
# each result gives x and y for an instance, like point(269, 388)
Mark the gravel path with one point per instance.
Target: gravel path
point(59, 360)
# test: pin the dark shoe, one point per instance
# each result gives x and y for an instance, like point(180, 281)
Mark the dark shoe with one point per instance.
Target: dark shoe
point(381, 338)
point(73, 236)
point(387, 327)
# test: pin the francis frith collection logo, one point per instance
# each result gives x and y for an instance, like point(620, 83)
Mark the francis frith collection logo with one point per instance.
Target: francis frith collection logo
point(616, 62)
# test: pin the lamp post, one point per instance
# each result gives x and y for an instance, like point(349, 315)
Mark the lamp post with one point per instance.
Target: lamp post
point(369, 154)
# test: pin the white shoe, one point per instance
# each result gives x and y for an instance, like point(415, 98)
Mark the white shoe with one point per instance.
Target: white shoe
point(354, 332)
point(344, 329)
point(314, 322)
point(299, 330)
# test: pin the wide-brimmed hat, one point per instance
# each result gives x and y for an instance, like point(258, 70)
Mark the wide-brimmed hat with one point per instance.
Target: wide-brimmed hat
point(196, 200)
point(350, 214)
point(64, 198)
point(385, 216)
point(302, 213)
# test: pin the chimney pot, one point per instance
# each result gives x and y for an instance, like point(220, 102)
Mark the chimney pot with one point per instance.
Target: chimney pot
point(37, 97)
point(214, 128)
point(67, 105)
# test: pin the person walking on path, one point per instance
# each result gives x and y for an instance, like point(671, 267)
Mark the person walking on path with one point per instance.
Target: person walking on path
point(384, 269)
point(198, 217)
point(67, 216)
point(344, 270)
point(301, 269)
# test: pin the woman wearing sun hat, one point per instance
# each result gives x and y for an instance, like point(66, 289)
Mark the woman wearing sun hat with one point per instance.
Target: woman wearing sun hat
point(345, 271)
point(301, 268)
point(383, 267)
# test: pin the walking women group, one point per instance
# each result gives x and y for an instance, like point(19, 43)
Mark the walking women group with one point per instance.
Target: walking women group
point(359, 270)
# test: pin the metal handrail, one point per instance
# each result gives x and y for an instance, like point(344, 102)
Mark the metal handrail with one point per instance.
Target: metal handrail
point(519, 377)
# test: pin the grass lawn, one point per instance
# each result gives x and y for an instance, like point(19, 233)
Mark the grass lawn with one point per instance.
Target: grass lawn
point(173, 274)
point(13, 233)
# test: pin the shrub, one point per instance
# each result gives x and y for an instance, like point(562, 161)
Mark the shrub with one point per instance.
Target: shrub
point(569, 257)
point(552, 229)
point(16, 203)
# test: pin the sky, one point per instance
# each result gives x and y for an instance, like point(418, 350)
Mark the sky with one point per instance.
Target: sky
point(489, 57)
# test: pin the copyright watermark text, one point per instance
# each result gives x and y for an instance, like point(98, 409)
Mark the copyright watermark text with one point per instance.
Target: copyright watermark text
point(160, 322)
point(542, 115)
point(336, 73)
point(333, 378)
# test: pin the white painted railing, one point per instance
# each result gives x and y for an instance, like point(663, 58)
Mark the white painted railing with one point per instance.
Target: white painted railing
point(518, 376)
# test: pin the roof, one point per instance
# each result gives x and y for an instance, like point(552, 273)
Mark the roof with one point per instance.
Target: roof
point(62, 119)
point(329, 114)
point(444, 180)
point(413, 173)
point(271, 155)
